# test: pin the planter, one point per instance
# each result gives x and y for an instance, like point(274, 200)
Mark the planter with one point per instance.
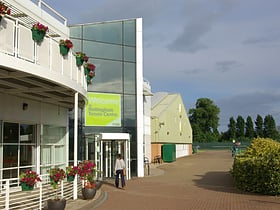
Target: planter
point(26, 187)
point(63, 50)
point(56, 204)
point(79, 61)
point(98, 184)
point(88, 193)
point(37, 35)
point(70, 178)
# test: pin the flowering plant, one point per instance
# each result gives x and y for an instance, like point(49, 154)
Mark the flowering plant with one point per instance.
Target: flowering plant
point(89, 66)
point(56, 176)
point(66, 43)
point(87, 171)
point(72, 170)
point(40, 27)
point(82, 56)
point(29, 177)
point(4, 9)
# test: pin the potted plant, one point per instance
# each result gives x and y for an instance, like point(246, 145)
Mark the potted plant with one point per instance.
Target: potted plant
point(86, 172)
point(39, 32)
point(65, 46)
point(81, 58)
point(89, 69)
point(28, 179)
point(4, 10)
point(57, 175)
point(71, 172)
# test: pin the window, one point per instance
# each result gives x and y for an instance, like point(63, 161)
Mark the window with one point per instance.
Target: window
point(53, 154)
point(17, 148)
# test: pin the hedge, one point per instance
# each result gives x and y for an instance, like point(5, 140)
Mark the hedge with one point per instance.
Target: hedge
point(258, 168)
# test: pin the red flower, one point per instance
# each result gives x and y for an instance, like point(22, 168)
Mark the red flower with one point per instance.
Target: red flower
point(66, 43)
point(29, 177)
point(40, 27)
point(4, 9)
point(82, 56)
point(89, 66)
point(56, 176)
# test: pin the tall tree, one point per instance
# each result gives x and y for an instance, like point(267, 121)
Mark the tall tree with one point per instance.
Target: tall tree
point(259, 126)
point(249, 128)
point(269, 127)
point(232, 129)
point(204, 119)
point(240, 127)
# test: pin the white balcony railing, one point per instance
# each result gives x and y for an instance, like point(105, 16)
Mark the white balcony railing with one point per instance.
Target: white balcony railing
point(16, 40)
point(12, 197)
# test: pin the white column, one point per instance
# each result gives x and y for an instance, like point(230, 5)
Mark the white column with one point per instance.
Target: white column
point(140, 103)
point(75, 186)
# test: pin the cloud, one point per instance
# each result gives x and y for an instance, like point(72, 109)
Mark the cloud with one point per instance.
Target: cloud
point(225, 66)
point(199, 22)
point(266, 39)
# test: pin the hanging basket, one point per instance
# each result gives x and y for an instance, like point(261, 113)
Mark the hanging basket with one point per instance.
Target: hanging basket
point(79, 61)
point(63, 50)
point(26, 187)
point(38, 35)
point(70, 178)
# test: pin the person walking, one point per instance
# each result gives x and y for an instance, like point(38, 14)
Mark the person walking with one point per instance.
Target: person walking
point(119, 171)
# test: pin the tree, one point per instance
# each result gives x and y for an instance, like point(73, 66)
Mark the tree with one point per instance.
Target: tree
point(240, 127)
point(232, 129)
point(249, 128)
point(259, 126)
point(204, 120)
point(269, 127)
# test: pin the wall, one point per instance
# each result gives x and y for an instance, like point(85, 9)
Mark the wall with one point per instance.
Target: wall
point(37, 112)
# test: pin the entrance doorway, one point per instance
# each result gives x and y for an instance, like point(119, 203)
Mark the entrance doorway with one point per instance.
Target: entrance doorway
point(103, 149)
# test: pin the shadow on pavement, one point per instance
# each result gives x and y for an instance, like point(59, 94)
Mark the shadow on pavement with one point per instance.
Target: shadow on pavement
point(217, 181)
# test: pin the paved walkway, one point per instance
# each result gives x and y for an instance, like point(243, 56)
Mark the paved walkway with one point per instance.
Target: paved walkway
point(198, 182)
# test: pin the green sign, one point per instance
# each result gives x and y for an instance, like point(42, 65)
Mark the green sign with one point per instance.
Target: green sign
point(103, 109)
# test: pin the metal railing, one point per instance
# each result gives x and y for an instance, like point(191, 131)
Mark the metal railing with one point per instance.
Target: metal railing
point(50, 10)
point(12, 197)
point(16, 40)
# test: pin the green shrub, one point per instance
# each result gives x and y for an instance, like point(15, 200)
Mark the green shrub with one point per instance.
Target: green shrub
point(258, 168)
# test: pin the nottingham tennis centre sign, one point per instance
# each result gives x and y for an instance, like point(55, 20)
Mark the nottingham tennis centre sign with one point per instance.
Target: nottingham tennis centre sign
point(103, 109)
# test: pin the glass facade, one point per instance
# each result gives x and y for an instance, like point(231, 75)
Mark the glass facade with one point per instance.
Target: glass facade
point(111, 47)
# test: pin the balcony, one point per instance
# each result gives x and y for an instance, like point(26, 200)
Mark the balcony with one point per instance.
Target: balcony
point(37, 71)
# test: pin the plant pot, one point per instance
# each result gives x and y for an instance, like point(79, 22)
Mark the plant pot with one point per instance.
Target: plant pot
point(98, 184)
point(70, 178)
point(56, 204)
point(63, 50)
point(88, 193)
point(26, 187)
point(79, 61)
point(37, 35)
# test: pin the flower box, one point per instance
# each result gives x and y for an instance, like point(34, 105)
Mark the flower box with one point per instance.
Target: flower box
point(28, 180)
point(38, 32)
point(65, 46)
point(26, 187)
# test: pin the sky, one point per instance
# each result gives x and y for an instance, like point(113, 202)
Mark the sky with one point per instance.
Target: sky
point(224, 50)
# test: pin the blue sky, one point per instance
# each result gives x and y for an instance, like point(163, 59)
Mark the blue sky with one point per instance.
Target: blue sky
point(225, 50)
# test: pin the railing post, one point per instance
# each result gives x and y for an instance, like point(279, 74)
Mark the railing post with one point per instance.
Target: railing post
point(7, 199)
point(62, 188)
point(40, 196)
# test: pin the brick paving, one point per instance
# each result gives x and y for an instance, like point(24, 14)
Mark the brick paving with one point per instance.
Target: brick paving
point(198, 182)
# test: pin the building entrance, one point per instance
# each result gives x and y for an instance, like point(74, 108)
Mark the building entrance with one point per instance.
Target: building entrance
point(103, 149)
